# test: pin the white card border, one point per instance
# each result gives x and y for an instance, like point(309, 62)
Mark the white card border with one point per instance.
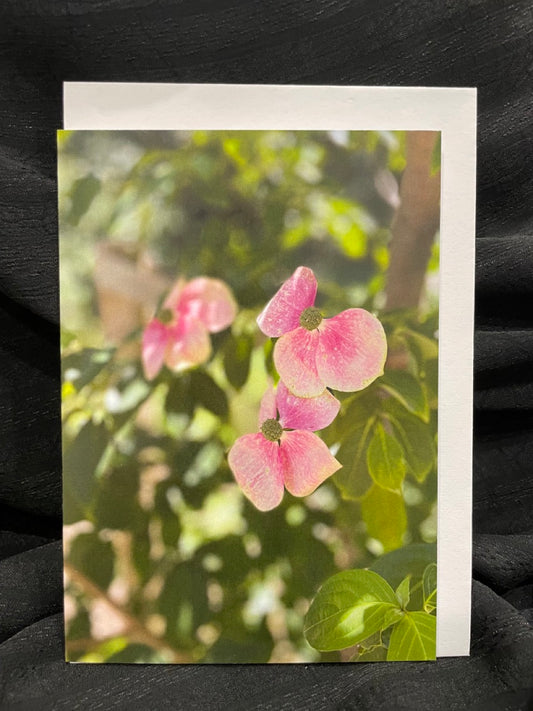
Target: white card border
point(113, 106)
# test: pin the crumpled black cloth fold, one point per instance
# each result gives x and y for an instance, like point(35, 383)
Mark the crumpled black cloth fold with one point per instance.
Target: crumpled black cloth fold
point(485, 44)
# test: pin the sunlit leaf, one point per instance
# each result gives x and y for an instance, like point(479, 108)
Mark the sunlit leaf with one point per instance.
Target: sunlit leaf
point(385, 517)
point(354, 242)
point(295, 236)
point(413, 638)
point(403, 592)
point(348, 608)
point(429, 584)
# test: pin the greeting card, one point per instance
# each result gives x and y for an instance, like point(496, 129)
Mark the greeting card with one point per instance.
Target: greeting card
point(266, 326)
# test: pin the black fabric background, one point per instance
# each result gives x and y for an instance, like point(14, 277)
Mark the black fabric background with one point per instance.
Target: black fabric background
point(483, 43)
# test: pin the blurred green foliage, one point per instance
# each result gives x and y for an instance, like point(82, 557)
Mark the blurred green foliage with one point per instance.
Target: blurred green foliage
point(154, 520)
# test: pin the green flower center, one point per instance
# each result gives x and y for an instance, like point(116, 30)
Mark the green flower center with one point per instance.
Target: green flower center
point(310, 318)
point(271, 429)
point(166, 316)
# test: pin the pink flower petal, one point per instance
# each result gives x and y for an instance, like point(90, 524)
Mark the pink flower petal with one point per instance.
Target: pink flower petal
point(173, 298)
point(352, 350)
point(282, 313)
point(295, 361)
point(256, 465)
point(189, 345)
point(306, 461)
point(209, 301)
point(305, 413)
point(155, 341)
point(267, 409)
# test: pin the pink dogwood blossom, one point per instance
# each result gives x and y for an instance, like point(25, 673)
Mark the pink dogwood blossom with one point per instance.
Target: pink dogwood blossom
point(346, 352)
point(285, 453)
point(179, 337)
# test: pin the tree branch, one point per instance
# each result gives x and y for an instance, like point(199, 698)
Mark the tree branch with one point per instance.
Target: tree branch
point(135, 630)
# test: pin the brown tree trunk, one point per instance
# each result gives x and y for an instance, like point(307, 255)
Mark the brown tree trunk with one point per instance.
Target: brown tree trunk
point(415, 223)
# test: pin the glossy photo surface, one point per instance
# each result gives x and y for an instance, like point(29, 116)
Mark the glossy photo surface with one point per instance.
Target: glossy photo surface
point(249, 334)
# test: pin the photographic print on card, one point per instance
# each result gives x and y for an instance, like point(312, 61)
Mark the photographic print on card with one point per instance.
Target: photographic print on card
point(249, 336)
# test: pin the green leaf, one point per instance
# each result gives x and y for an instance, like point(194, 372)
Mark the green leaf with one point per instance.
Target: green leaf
point(384, 459)
point(178, 399)
point(354, 242)
point(416, 439)
point(413, 638)
point(116, 503)
point(237, 354)
point(408, 391)
point(170, 521)
point(268, 350)
point(93, 558)
point(234, 646)
point(375, 640)
point(80, 626)
point(183, 602)
point(376, 654)
point(403, 592)
point(80, 461)
point(348, 608)
point(129, 396)
point(384, 514)
point(353, 479)
point(135, 654)
point(207, 393)
point(431, 381)
point(82, 193)
point(411, 560)
point(422, 347)
point(429, 586)
point(140, 556)
point(83, 366)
